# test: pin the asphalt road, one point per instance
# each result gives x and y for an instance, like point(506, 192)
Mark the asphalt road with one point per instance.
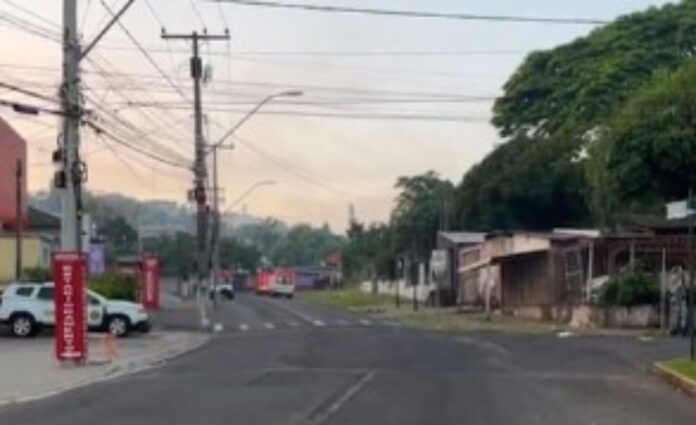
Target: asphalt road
point(291, 363)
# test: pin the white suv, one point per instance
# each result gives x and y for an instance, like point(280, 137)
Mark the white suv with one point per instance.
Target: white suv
point(27, 307)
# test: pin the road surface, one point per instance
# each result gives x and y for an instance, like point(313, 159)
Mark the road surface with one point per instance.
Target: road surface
point(287, 362)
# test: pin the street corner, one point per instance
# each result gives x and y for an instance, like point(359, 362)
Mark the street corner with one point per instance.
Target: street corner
point(674, 373)
point(108, 358)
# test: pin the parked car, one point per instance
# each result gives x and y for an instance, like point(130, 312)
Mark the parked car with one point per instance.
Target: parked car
point(224, 290)
point(28, 307)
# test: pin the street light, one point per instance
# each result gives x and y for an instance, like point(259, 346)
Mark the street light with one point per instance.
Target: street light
point(216, 245)
point(248, 192)
point(216, 210)
point(253, 111)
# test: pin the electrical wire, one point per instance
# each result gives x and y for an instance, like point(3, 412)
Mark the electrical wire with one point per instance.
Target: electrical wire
point(414, 14)
point(289, 169)
point(100, 130)
point(146, 54)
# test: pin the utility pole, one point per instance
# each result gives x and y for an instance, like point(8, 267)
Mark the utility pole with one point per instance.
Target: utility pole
point(690, 291)
point(70, 179)
point(73, 171)
point(199, 167)
point(19, 222)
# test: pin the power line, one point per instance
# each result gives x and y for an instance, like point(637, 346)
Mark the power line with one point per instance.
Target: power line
point(27, 92)
point(146, 54)
point(102, 131)
point(415, 14)
point(29, 27)
point(292, 170)
point(54, 24)
point(198, 13)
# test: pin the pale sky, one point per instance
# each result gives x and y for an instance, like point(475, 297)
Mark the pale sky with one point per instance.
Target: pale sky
point(321, 164)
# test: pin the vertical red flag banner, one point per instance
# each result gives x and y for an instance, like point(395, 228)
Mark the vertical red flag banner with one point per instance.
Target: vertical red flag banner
point(150, 276)
point(70, 298)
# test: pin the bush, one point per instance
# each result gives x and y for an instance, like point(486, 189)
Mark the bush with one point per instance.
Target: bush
point(631, 289)
point(114, 286)
point(36, 274)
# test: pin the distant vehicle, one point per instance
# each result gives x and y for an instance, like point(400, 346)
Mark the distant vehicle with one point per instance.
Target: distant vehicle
point(283, 284)
point(224, 290)
point(28, 307)
point(264, 279)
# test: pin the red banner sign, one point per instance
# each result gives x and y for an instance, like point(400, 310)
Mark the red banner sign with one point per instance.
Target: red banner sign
point(70, 277)
point(150, 293)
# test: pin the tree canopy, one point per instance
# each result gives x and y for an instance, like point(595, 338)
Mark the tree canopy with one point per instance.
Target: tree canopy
point(646, 155)
point(555, 107)
point(572, 88)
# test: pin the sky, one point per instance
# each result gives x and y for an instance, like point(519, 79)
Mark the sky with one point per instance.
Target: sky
point(383, 97)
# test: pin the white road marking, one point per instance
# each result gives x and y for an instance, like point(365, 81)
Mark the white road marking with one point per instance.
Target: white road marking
point(365, 322)
point(269, 325)
point(343, 399)
point(318, 323)
point(243, 327)
point(294, 324)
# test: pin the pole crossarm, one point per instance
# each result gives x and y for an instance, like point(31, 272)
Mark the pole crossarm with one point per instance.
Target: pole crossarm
point(114, 18)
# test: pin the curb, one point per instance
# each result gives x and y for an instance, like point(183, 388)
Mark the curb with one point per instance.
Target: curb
point(682, 383)
point(134, 366)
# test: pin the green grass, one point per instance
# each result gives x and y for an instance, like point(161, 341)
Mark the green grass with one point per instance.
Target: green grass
point(348, 299)
point(684, 367)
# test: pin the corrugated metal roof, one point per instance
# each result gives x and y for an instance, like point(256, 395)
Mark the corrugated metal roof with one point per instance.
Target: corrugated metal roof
point(462, 237)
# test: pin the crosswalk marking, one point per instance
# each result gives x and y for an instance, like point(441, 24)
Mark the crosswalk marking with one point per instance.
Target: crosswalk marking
point(318, 323)
point(243, 327)
point(269, 325)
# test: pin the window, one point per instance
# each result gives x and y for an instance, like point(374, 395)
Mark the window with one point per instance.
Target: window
point(24, 291)
point(93, 300)
point(45, 294)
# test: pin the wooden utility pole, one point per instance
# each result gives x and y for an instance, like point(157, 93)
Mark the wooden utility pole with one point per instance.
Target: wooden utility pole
point(199, 168)
point(19, 222)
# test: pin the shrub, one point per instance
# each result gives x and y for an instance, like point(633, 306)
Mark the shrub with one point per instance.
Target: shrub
point(114, 286)
point(36, 274)
point(631, 289)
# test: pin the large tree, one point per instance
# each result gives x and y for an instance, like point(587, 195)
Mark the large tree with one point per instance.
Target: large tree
point(554, 106)
point(646, 155)
point(573, 88)
point(524, 184)
point(423, 206)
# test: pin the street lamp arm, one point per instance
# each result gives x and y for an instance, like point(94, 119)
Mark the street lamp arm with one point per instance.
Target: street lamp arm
point(244, 119)
point(247, 193)
point(252, 112)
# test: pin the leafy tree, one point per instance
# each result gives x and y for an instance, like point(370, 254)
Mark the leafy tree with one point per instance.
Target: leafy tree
point(646, 156)
point(423, 206)
point(554, 107)
point(306, 246)
point(121, 238)
point(176, 252)
point(265, 235)
point(524, 184)
point(237, 254)
point(368, 252)
point(573, 88)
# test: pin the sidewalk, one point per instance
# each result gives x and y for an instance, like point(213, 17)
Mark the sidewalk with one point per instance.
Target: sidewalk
point(28, 370)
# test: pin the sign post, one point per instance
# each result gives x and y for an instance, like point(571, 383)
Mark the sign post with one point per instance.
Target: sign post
point(70, 276)
point(150, 291)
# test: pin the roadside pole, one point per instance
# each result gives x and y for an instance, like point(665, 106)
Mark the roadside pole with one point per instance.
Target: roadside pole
point(690, 292)
point(663, 290)
point(199, 168)
point(19, 222)
point(71, 177)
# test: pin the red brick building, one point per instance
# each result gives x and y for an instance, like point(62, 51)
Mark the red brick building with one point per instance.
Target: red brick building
point(13, 148)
